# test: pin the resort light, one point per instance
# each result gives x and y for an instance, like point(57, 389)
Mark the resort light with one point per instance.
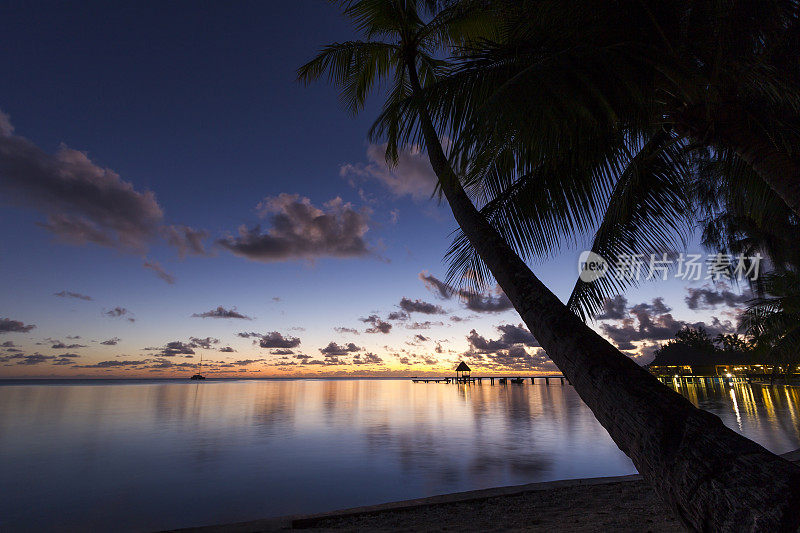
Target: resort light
point(728, 375)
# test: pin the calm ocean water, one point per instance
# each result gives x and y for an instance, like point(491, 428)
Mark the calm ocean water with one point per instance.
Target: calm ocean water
point(149, 455)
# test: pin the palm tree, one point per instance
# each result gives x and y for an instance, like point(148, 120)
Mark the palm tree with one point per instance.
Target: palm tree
point(713, 478)
point(716, 74)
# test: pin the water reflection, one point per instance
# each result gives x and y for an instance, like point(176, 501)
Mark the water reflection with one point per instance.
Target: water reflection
point(154, 455)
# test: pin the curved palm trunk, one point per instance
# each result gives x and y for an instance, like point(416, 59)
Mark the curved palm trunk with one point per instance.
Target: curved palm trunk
point(714, 479)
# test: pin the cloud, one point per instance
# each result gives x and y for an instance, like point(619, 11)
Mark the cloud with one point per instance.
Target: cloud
point(245, 362)
point(298, 230)
point(160, 272)
point(710, 298)
point(423, 325)
point(221, 312)
point(196, 342)
point(14, 326)
point(419, 306)
point(397, 315)
point(111, 342)
point(511, 336)
point(479, 302)
point(486, 303)
point(58, 345)
point(347, 330)
point(282, 351)
point(378, 325)
point(614, 308)
point(83, 202)
point(119, 312)
point(188, 241)
point(77, 295)
point(421, 338)
point(276, 340)
point(112, 364)
point(333, 349)
point(517, 358)
point(436, 285)
point(227, 349)
point(34, 359)
point(367, 359)
point(171, 349)
point(411, 176)
point(649, 322)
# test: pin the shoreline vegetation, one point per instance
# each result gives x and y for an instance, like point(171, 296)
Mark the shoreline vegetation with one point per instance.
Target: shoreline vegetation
point(588, 504)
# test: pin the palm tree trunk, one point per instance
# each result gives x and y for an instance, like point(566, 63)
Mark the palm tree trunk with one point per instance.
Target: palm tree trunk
point(714, 479)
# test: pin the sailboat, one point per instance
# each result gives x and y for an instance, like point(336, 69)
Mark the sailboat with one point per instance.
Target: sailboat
point(199, 369)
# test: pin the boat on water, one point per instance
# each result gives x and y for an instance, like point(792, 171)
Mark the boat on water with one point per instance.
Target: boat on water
point(517, 380)
point(199, 374)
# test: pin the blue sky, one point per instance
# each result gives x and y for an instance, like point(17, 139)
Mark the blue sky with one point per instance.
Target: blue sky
point(198, 104)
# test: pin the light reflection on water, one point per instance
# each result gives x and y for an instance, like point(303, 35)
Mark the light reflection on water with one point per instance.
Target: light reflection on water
point(142, 456)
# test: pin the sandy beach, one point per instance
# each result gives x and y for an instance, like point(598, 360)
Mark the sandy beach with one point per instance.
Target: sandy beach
point(622, 503)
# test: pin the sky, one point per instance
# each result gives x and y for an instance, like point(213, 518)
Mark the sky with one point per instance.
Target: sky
point(169, 192)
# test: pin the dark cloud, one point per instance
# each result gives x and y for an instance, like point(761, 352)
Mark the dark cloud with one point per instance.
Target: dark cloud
point(58, 345)
point(410, 175)
point(111, 342)
point(649, 322)
point(333, 349)
point(423, 325)
point(14, 326)
point(227, 349)
point(160, 272)
point(221, 312)
point(119, 312)
point(188, 241)
point(511, 336)
point(517, 359)
point(346, 330)
point(205, 343)
point(442, 289)
point(112, 364)
point(8, 344)
point(378, 325)
point(245, 362)
point(479, 302)
point(301, 231)
point(34, 359)
point(276, 340)
point(710, 298)
point(69, 294)
point(171, 349)
point(509, 351)
point(615, 308)
point(419, 306)
point(486, 303)
point(421, 338)
point(82, 201)
point(397, 315)
point(65, 359)
point(282, 351)
point(367, 359)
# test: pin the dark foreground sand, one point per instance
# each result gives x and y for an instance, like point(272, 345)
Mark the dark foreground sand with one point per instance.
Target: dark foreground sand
point(624, 503)
point(627, 505)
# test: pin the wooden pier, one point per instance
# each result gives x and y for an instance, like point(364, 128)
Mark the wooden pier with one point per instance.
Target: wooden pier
point(501, 380)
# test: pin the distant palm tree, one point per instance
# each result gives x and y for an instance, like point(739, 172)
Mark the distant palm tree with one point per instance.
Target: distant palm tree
point(714, 478)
